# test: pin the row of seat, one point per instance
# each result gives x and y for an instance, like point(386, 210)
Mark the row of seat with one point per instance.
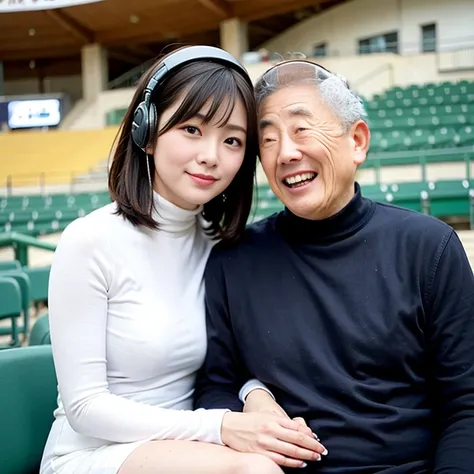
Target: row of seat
point(431, 110)
point(41, 215)
point(265, 203)
point(420, 101)
point(53, 201)
point(427, 122)
point(428, 90)
point(440, 199)
point(421, 139)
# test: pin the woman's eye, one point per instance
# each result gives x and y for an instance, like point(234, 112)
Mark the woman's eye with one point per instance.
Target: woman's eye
point(191, 130)
point(233, 142)
point(301, 129)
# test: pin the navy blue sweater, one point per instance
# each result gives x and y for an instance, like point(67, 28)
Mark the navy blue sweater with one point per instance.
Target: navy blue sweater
point(362, 324)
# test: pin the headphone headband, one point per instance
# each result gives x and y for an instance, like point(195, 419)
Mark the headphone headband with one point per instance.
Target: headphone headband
point(145, 115)
point(194, 53)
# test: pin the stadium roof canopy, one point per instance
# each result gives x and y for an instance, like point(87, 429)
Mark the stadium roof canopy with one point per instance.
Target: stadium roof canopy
point(47, 35)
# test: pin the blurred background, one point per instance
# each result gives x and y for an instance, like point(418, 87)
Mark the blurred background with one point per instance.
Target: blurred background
point(68, 70)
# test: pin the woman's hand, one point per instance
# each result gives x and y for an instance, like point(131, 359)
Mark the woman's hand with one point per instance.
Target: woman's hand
point(274, 436)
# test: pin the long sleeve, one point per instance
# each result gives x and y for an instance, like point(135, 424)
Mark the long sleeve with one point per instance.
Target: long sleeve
point(452, 346)
point(81, 274)
point(223, 373)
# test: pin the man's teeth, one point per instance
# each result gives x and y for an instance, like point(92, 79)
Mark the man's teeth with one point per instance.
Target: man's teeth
point(300, 177)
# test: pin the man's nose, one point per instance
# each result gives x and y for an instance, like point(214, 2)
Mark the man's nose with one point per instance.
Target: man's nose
point(289, 151)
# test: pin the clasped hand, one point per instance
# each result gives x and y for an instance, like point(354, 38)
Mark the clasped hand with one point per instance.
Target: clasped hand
point(265, 428)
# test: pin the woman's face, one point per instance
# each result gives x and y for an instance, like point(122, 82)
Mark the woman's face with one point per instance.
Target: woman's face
point(194, 161)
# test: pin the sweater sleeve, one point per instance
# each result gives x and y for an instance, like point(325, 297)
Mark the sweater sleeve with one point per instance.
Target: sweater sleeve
point(81, 272)
point(452, 346)
point(223, 373)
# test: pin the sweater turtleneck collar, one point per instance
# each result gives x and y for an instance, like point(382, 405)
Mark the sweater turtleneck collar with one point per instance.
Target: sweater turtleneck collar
point(171, 218)
point(337, 227)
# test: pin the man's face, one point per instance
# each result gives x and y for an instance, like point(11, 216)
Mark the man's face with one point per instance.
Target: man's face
point(309, 160)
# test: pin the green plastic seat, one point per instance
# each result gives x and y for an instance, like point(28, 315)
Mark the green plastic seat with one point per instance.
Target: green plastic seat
point(407, 194)
point(40, 333)
point(39, 279)
point(23, 281)
point(466, 135)
point(420, 139)
point(10, 307)
point(10, 265)
point(449, 198)
point(445, 137)
point(27, 400)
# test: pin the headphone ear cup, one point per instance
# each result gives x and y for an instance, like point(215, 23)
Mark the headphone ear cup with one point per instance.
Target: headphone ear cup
point(152, 118)
point(140, 126)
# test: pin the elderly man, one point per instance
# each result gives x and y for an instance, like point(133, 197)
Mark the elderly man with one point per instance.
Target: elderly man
point(356, 316)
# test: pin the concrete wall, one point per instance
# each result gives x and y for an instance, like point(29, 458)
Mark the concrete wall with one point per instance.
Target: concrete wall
point(343, 26)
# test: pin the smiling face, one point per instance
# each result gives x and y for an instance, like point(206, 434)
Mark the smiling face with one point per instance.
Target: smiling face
point(309, 159)
point(195, 161)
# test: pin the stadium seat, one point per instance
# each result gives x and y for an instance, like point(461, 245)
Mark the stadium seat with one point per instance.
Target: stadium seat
point(449, 198)
point(407, 195)
point(11, 306)
point(40, 332)
point(10, 265)
point(27, 400)
point(39, 278)
point(23, 281)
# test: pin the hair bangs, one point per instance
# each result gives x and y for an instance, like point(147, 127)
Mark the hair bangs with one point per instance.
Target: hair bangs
point(213, 95)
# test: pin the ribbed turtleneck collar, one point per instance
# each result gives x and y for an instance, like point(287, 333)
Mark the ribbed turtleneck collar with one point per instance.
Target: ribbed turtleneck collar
point(172, 218)
point(337, 227)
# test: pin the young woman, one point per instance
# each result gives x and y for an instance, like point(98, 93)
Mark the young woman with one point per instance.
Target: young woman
point(126, 295)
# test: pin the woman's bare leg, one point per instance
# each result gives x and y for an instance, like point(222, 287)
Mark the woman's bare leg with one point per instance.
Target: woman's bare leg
point(177, 457)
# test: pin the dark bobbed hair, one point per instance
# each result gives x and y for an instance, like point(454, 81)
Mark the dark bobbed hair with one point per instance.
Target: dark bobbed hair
point(196, 83)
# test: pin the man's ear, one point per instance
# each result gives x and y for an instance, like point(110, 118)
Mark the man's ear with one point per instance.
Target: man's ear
point(361, 141)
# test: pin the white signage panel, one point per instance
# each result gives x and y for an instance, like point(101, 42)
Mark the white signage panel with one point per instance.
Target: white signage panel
point(26, 5)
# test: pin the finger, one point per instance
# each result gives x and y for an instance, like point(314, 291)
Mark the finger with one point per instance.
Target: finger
point(292, 451)
point(289, 424)
point(300, 421)
point(301, 439)
point(284, 461)
point(303, 427)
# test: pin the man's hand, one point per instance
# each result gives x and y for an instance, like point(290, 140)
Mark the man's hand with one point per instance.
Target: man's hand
point(277, 437)
point(261, 401)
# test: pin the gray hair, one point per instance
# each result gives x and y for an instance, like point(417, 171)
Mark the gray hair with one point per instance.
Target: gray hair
point(333, 89)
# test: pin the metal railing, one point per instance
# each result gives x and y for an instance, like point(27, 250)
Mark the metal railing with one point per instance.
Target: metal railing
point(71, 182)
point(21, 243)
point(423, 158)
point(459, 59)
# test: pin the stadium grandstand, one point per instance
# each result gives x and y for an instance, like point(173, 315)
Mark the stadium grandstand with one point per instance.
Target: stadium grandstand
point(67, 74)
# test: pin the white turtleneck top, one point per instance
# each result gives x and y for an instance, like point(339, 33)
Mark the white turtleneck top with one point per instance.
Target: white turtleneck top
point(127, 317)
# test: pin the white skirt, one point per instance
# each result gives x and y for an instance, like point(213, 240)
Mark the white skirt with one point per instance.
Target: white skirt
point(103, 460)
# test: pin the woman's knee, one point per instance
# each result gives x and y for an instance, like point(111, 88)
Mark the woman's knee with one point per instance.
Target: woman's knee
point(256, 464)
